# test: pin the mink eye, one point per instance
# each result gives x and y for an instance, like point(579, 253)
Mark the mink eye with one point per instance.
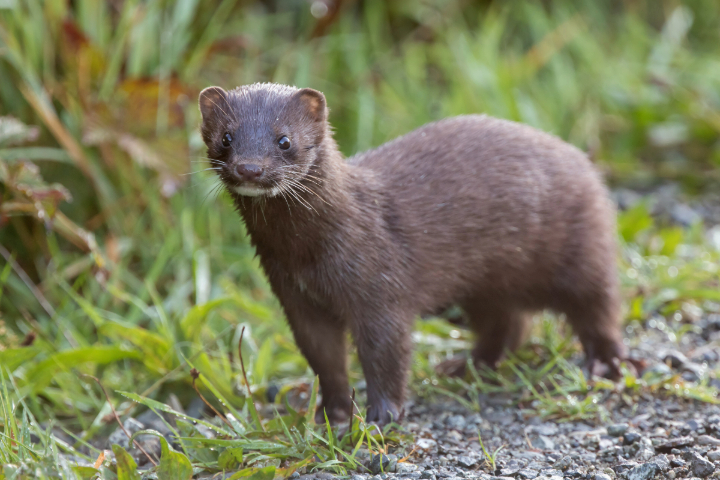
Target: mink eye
point(284, 143)
point(226, 140)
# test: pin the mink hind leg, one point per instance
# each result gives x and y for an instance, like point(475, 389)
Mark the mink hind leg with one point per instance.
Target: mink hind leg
point(596, 321)
point(589, 295)
point(499, 326)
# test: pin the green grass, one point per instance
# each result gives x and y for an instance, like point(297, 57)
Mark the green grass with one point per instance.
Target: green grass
point(116, 265)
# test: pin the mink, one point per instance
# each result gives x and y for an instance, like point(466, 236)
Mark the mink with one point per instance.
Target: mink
point(490, 215)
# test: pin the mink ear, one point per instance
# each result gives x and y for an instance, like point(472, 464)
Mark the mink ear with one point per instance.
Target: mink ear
point(311, 104)
point(210, 99)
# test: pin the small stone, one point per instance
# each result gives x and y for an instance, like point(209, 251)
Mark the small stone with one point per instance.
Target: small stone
point(119, 437)
point(714, 455)
point(658, 370)
point(271, 392)
point(428, 475)
point(646, 471)
point(404, 467)
point(644, 453)
point(693, 425)
point(602, 476)
point(708, 440)
point(426, 444)
point(354, 477)
point(296, 475)
point(527, 473)
point(456, 422)
point(454, 436)
point(382, 463)
point(700, 466)
point(466, 461)
point(547, 429)
point(678, 442)
point(631, 437)
point(677, 462)
point(550, 472)
point(684, 215)
point(543, 443)
point(662, 462)
point(675, 359)
point(693, 373)
point(511, 468)
point(605, 443)
point(617, 430)
point(564, 463)
point(624, 467)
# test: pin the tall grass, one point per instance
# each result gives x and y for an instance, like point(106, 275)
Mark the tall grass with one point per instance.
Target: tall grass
point(116, 264)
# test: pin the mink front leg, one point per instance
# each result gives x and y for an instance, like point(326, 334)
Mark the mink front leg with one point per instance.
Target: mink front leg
point(322, 340)
point(384, 348)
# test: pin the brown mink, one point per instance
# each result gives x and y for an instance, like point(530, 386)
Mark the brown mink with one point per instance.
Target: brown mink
point(491, 215)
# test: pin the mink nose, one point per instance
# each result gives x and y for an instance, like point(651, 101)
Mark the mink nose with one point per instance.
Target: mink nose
point(249, 172)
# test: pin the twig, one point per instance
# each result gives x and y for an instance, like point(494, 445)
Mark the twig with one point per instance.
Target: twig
point(28, 282)
point(242, 364)
point(117, 418)
point(195, 374)
point(352, 410)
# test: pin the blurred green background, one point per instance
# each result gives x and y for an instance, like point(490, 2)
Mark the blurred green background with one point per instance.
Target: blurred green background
point(116, 262)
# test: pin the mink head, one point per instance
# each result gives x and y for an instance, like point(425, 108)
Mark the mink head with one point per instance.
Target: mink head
point(262, 138)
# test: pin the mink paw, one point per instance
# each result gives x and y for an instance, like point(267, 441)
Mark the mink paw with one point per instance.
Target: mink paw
point(453, 367)
point(604, 369)
point(382, 412)
point(337, 414)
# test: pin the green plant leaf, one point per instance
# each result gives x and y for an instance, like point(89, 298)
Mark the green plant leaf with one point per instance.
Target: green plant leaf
point(41, 374)
point(173, 465)
point(126, 466)
point(267, 473)
point(230, 458)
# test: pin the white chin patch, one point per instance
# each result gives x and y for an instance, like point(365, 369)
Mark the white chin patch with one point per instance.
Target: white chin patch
point(254, 191)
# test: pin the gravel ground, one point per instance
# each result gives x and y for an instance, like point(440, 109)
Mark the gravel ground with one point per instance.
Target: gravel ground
point(637, 437)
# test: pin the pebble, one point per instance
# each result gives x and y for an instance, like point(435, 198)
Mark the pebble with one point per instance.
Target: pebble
point(543, 443)
point(466, 461)
point(645, 471)
point(631, 437)
point(700, 466)
point(677, 462)
point(119, 437)
point(564, 463)
point(456, 422)
point(602, 476)
point(527, 473)
point(405, 467)
point(427, 444)
point(658, 370)
point(662, 462)
point(708, 440)
point(714, 455)
point(675, 359)
point(693, 425)
point(678, 442)
point(383, 463)
point(617, 430)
